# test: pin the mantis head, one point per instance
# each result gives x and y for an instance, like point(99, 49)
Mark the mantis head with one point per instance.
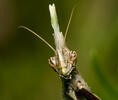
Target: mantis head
point(64, 60)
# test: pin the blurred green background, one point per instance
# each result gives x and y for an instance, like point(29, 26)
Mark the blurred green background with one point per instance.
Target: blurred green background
point(24, 70)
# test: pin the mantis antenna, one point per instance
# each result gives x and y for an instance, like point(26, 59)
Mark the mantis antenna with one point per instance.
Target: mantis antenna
point(38, 37)
point(69, 22)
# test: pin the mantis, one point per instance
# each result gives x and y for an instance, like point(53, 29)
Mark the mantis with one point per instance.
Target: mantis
point(64, 62)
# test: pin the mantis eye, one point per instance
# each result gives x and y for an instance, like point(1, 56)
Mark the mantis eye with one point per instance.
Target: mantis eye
point(73, 56)
point(53, 63)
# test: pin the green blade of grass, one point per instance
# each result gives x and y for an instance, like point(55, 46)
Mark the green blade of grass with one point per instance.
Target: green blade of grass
point(101, 77)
